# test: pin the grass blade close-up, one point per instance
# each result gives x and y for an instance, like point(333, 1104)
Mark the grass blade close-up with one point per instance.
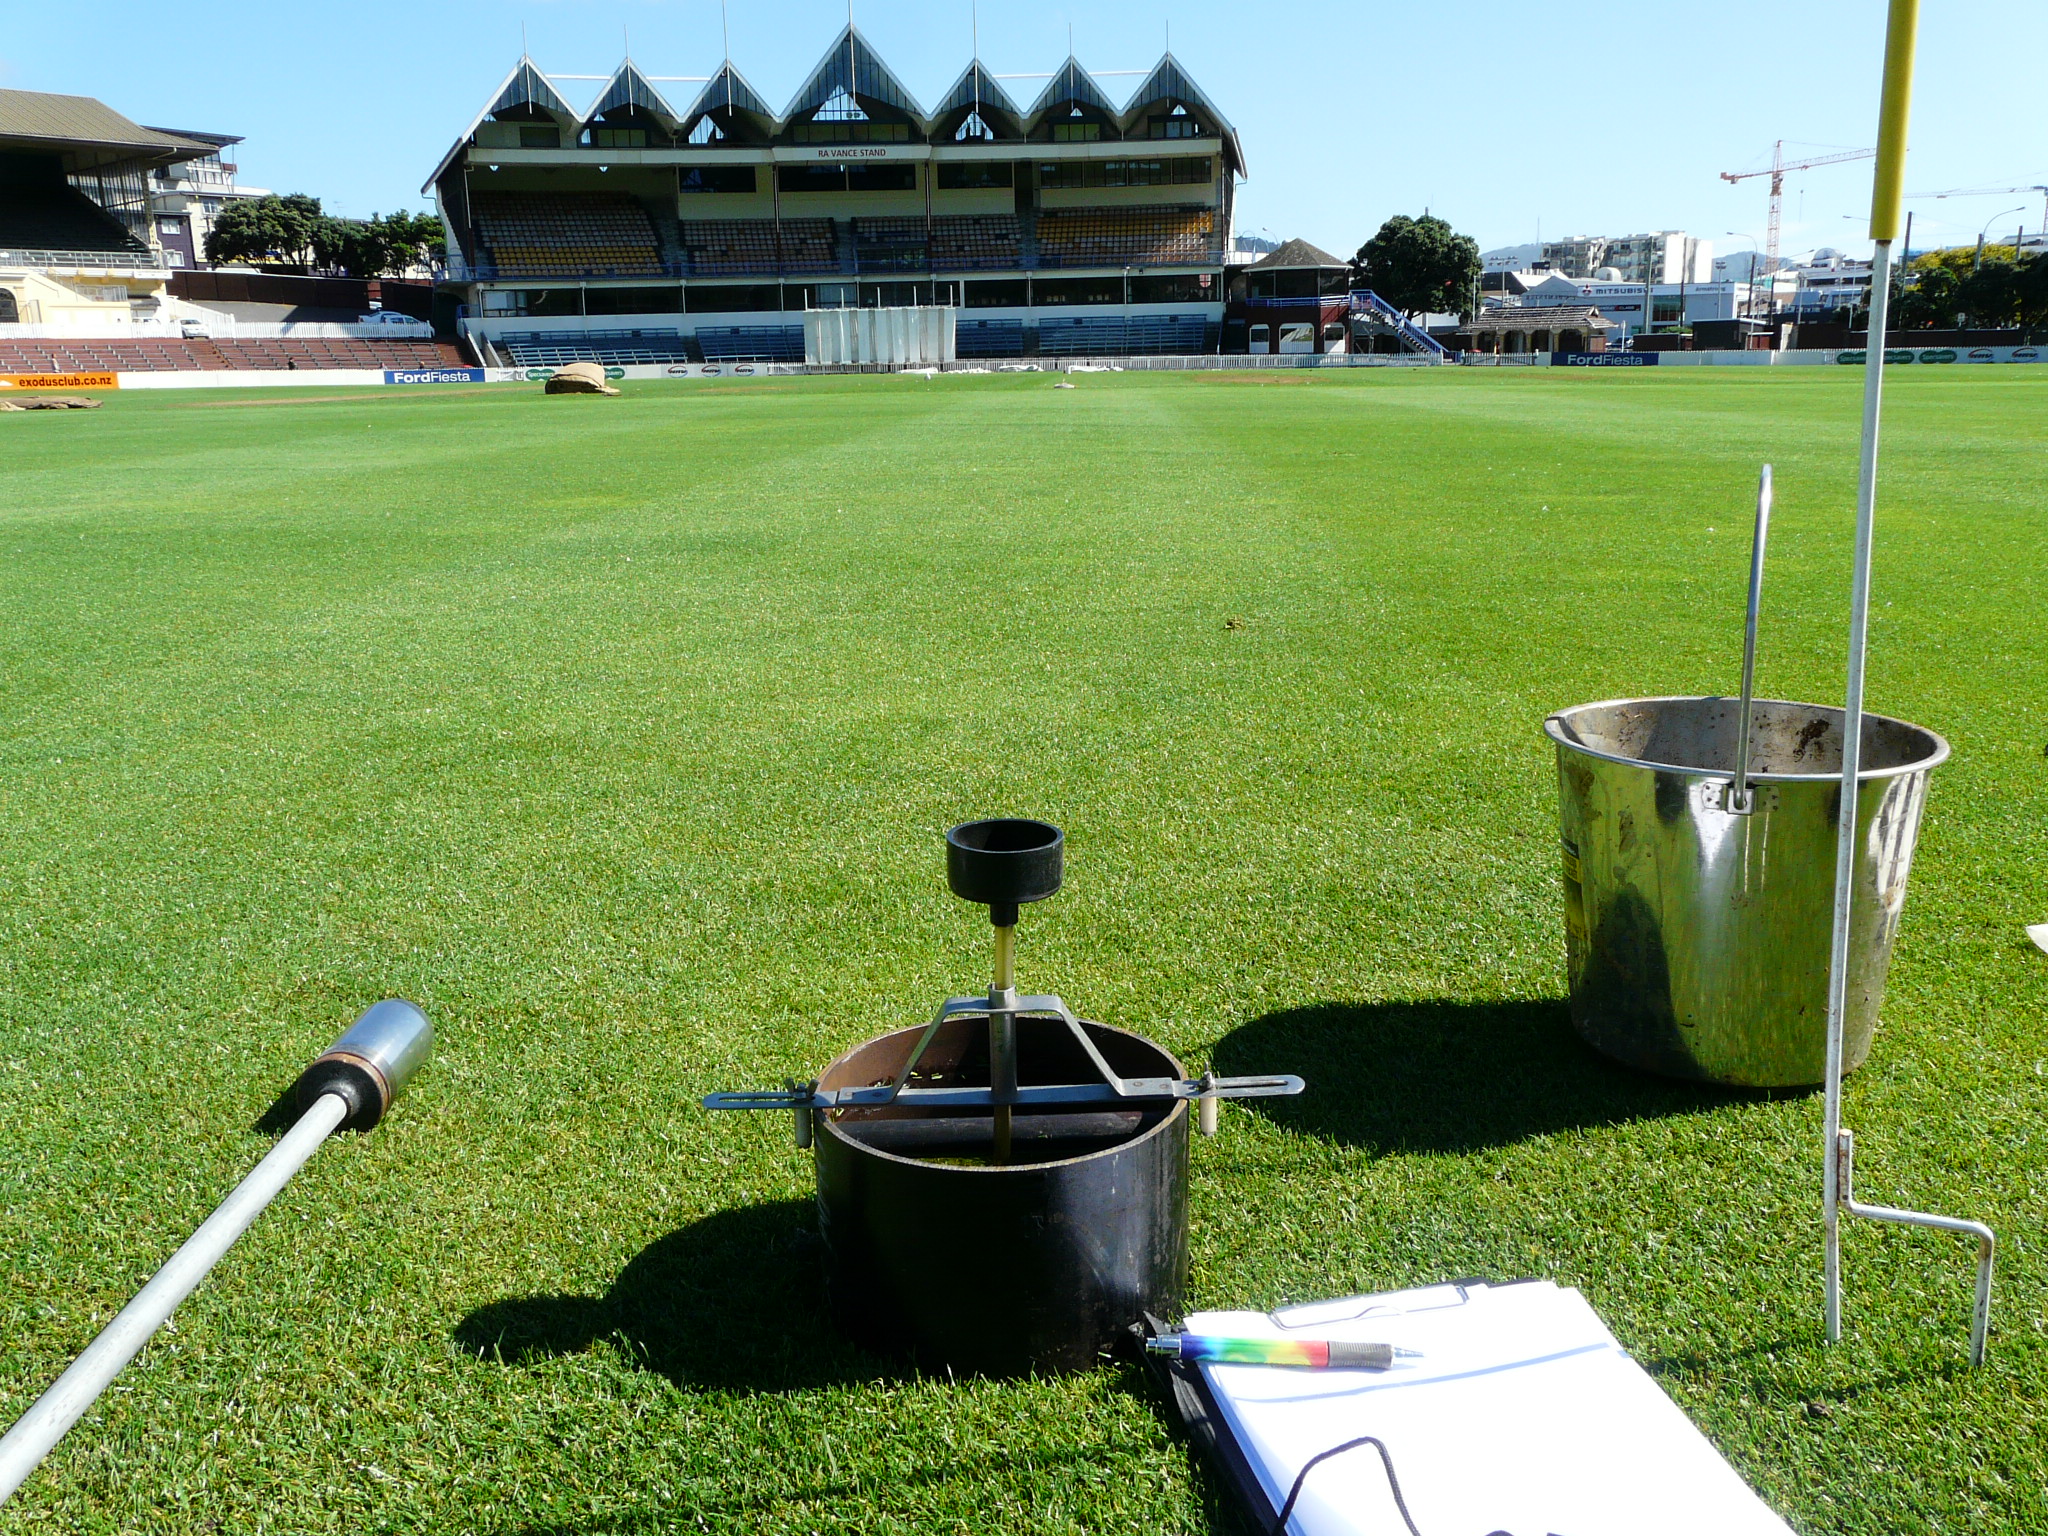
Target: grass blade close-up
point(621, 735)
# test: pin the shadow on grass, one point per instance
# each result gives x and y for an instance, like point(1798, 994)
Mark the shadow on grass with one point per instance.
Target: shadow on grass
point(735, 1302)
point(1446, 1076)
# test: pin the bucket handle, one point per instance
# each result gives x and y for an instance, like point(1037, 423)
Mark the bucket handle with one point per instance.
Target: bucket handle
point(1741, 800)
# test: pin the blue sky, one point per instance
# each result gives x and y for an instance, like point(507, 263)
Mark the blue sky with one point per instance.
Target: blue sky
point(1503, 119)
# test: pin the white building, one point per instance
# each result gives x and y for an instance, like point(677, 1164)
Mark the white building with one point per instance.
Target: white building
point(1671, 306)
point(1830, 281)
point(185, 198)
point(1664, 256)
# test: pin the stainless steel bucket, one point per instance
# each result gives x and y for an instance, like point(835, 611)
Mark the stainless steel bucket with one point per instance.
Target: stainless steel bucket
point(1696, 938)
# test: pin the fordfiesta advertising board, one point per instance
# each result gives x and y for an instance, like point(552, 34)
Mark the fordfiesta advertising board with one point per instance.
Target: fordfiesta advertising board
point(434, 375)
point(1603, 359)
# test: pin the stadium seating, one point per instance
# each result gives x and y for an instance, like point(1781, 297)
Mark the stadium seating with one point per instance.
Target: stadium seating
point(1114, 336)
point(153, 355)
point(752, 343)
point(989, 338)
point(564, 234)
point(756, 247)
point(551, 349)
point(59, 218)
point(890, 245)
point(976, 243)
point(727, 247)
point(809, 245)
point(341, 352)
point(1105, 237)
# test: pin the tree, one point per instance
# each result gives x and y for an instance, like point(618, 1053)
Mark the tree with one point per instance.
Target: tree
point(1420, 266)
point(353, 247)
point(1933, 298)
point(268, 228)
point(416, 239)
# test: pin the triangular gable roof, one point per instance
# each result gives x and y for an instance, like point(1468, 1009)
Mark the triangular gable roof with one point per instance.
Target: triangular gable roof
point(1169, 82)
point(1072, 85)
point(728, 88)
point(976, 84)
point(850, 65)
point(629, 88)
point(525, 85)
point(1296, 254)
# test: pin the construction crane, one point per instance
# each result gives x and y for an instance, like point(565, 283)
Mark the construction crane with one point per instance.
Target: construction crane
point(1779, 166)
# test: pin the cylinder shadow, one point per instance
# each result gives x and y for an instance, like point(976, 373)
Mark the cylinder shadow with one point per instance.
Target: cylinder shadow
point(735, 1302)
point(1439, 1075)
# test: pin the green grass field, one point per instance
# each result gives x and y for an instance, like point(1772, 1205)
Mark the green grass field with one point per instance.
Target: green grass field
point(620, 735)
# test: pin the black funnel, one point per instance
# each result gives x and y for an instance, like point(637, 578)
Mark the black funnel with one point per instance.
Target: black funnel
point(1003, 862)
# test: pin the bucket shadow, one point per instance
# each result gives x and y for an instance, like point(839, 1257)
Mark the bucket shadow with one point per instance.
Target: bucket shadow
point(1437, 1075)
point(735, 1302)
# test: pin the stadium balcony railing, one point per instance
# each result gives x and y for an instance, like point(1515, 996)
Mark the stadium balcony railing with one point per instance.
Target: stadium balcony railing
point(122, 260)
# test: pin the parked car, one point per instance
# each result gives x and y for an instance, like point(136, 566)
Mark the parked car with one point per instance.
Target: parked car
point(388, 317)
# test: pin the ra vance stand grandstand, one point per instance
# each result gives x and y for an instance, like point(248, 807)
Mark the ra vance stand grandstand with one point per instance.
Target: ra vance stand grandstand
point(633, 233)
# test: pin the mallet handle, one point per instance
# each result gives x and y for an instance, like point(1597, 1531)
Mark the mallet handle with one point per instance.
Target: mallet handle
point(51, 1416)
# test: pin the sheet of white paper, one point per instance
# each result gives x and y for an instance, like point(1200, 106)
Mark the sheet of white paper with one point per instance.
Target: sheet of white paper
point(1523, 1416)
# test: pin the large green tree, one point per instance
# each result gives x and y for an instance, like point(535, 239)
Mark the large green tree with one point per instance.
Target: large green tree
point(293, 230)
point(270, 228)
point(1420, 266)
point(415, 239)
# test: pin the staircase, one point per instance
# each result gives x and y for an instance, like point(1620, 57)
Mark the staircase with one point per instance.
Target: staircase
point(1381, 316)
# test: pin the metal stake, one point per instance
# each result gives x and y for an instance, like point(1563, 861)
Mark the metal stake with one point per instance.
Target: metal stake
point(1002, 1037)
point(1838, 1145)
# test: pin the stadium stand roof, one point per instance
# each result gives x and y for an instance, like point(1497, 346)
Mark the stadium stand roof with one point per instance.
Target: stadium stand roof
point(1169, 82)
point(1072, 86)
point(978, 89)
point(1296, 255)
point(850, 65)
point(728, 91)
point(526, 86)
point(850, 69)
point(629, 88)
point(213, 140)
point(85, 132)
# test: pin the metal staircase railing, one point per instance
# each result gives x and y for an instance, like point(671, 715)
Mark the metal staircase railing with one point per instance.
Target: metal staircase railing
point(1363, 301)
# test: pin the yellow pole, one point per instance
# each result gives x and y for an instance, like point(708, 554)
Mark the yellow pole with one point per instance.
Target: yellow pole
point(1901, 28)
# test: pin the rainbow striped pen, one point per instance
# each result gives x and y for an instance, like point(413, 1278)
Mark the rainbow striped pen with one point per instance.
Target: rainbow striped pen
point(1304, 1354)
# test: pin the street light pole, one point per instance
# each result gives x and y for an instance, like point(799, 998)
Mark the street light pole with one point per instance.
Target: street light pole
point(1978, 262)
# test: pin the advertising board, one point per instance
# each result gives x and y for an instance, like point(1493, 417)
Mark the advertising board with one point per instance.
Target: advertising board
point(59, 381)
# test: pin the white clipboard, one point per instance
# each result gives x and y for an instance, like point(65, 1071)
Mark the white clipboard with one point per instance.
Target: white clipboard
point(1522, 1415)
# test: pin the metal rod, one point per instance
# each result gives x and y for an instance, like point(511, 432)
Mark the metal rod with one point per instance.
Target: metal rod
point(53, 1414)
point(1852, 767)
point(1987, 1240)
point(1741, 802)
point(1002, 1038)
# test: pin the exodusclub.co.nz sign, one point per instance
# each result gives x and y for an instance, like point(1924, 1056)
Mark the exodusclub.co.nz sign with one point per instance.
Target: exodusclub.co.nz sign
point(433, 376)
